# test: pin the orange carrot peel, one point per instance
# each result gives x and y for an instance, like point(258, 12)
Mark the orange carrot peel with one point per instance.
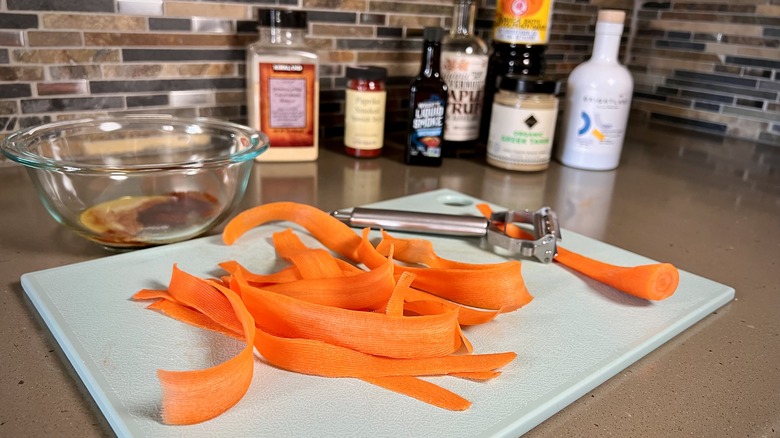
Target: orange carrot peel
point(195, 396)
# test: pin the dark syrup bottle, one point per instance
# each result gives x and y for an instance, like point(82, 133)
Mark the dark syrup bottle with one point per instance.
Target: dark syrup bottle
point(427, 105)
point(508, 59)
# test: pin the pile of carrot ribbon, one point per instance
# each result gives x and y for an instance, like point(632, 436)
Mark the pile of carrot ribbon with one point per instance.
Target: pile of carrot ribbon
point(387, 314)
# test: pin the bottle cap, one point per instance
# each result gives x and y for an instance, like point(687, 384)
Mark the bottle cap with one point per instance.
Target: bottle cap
point(433, 34)
point(366, 72)
point(528, 84)
point(282, 18)
point(612, 16)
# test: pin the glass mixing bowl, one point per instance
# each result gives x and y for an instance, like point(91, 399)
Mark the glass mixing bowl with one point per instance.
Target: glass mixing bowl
point(138, 180)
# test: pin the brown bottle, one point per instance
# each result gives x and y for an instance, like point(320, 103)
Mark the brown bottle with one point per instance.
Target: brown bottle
point(508, 59)
point(521, 31)
point(427, 105)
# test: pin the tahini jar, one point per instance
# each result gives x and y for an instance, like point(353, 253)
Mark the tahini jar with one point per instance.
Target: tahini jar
point(522, 124)
point(282, 87)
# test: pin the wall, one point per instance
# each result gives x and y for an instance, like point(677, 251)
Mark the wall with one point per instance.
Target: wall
point(712, 66)
point(63, 59)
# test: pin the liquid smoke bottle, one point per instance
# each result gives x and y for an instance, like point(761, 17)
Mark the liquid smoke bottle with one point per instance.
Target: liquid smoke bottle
point(464, 62)
point(520, 37)
point(598, 101)
point(427, 105)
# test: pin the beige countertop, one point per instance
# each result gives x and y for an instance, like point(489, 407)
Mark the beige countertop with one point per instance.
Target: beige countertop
point(708, 205)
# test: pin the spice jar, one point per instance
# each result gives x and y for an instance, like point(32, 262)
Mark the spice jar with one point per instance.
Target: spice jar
point(364, 111)
point(522, 123)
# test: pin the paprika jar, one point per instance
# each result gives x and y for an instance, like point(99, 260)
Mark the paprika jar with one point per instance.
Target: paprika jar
point(364, 111)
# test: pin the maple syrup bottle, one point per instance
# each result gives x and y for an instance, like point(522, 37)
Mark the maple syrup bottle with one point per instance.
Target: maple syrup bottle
point(427, 105)
point(464, 62)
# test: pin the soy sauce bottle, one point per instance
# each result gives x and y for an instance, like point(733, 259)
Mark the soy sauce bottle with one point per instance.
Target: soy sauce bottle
point(427, 105)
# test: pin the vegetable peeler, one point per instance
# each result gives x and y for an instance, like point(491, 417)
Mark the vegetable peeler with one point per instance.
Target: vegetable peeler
point(544, 222)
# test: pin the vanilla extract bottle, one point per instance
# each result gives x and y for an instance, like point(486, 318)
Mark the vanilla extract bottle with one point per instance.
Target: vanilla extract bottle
point(464, 63)
point(283, 87)
point(427, 105)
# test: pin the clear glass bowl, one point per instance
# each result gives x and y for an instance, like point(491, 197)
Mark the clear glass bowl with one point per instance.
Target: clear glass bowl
point(138, 180)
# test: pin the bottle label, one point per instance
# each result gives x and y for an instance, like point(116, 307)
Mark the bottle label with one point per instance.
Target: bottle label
point(427, 128)
point(286, 102)
point(521, 137)
point(364, 119)
point(522, 21)
point(465, 76)
point(602, 121)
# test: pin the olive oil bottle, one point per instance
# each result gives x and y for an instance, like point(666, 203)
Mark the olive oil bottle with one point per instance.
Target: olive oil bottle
point(598, 101)
point(427, 105)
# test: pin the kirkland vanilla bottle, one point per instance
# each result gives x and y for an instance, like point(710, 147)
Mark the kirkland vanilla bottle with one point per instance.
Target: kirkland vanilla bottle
point(464, 60)
point(282, 87)
point(598, 100)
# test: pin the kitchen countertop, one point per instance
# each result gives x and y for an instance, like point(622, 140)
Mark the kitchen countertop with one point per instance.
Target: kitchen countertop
point(708, 205)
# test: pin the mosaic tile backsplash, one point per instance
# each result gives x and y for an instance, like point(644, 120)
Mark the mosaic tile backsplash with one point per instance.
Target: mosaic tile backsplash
point(711, 66)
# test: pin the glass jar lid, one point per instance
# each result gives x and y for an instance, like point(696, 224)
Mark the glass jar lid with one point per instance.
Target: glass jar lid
point(366, 72)
point(528, 84)
point(282, 18)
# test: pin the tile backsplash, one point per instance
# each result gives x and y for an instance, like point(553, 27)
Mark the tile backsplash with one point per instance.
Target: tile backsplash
point(711, 66)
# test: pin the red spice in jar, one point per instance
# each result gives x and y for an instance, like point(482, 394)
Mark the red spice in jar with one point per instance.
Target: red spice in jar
point(364, 111)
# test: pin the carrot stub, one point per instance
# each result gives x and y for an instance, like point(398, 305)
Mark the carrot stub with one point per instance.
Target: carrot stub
point(655, 281)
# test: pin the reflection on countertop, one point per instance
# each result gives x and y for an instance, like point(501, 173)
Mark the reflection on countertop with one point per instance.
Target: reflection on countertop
point(748, 172)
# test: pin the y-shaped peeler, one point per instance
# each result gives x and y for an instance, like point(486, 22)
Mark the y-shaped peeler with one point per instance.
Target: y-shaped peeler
point(544, 222)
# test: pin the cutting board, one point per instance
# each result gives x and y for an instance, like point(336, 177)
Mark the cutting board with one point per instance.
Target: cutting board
point(573, 336)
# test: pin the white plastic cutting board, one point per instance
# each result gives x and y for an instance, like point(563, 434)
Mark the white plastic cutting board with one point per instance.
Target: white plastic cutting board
point(573, 336)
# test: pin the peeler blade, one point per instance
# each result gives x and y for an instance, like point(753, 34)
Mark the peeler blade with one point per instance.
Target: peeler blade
point(546, 233)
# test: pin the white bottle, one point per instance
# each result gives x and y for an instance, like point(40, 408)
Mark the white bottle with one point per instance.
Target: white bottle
point(598, 100)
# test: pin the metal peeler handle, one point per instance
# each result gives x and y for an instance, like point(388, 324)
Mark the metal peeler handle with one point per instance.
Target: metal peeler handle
point(413, 221)
point(544, 222)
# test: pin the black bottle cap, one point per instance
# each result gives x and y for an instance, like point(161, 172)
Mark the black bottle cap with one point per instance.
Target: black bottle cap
point(528, 84)
point(366, 72)
point(433, 34)
point(282, 18)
